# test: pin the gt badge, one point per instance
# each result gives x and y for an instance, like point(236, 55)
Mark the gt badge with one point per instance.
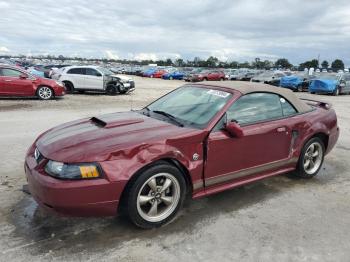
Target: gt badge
point(195, 157)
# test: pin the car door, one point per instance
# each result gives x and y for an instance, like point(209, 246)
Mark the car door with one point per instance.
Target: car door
point(266, 143)
point(77, 76)
point(11, 84)
point(93, 79)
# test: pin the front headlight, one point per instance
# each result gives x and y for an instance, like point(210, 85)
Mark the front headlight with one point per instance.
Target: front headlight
point(72, 171)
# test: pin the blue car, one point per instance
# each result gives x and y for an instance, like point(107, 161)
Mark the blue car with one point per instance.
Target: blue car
point(149, 72)
point(330, 84)
point(296, 82)
point(292, 82)
point(35, 72)
point(174, 75)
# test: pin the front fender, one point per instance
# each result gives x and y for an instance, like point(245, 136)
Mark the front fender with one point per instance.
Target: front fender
point(128, 162)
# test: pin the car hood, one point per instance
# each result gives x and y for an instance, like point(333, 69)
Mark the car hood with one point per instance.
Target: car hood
point(106, 137)
point(122, 77)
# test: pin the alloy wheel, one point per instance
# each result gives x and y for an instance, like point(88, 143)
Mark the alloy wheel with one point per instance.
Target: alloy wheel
point(313, 158)
point(158, 197)
point(45, 93)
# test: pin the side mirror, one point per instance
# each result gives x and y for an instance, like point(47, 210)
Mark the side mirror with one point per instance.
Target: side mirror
point(23, 76)
point(234, 129)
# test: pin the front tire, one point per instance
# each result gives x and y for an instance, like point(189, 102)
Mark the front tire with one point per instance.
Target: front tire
point(111, 90)
point(311, 158)
point(156, 196)
point(45, 93)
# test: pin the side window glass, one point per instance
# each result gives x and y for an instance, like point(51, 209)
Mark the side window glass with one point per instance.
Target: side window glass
point(76, 71)
point(255, 107)
point(10, 72)
point(92, 72)
point(287, 108)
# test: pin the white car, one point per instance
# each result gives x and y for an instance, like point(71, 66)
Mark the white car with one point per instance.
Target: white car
point(95, 78)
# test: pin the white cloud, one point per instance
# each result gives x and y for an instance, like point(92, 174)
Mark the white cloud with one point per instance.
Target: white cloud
point(4, 49)
point(145, 56)
point(231, 30)
point(111, 55)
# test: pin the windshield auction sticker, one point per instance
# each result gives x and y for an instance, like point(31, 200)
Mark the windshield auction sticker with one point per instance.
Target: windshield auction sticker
point(218, 93)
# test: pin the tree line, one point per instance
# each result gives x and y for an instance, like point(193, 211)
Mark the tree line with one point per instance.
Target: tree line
point(211, 62)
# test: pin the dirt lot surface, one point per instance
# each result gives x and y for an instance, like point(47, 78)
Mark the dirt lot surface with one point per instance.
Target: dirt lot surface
point(277, 219)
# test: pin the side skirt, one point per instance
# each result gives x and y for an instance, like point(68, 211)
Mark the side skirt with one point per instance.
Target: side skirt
point(239, 182)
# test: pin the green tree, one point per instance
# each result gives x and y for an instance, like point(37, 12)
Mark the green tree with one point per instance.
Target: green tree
point(168, 62)
point(179, 62)
point(283, 63)
point(337, 64)
point(324, 64)
point(212, 61)
point(308, 64)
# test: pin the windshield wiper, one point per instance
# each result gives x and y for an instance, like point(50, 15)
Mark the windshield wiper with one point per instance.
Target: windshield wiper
point(170, 116)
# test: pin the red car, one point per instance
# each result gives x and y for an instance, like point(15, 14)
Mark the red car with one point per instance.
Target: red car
point(199, 139)
point(17, 82)
point(214, 76)
point(158, 73)
point(206, 75)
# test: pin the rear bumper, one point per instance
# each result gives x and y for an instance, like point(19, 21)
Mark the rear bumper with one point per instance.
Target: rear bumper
point(98, 197)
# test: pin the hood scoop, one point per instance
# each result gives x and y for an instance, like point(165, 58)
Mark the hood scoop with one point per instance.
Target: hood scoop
point(114, 123)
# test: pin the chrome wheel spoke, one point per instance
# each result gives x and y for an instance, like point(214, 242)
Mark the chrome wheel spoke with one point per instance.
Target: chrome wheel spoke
point(306, 164)
point(158, 197)
point(153, 184)
point(144, 199)
point(167, 200)
point(315, 153)
point(166, 184)
point(154, 209)
point(311, 148)
point(312, 164)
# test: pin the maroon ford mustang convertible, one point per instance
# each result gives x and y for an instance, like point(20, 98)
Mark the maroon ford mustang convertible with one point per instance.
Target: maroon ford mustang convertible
point(199, 139)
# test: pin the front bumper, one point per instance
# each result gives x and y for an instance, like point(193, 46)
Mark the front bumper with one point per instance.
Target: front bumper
point(95, 197)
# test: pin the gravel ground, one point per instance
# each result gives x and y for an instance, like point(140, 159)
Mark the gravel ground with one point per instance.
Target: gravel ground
point(277, 219)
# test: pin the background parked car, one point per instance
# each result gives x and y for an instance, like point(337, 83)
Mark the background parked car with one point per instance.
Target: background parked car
point(213, 75)
point(149, 72)
point(330, 84)
point(17, 82)
point(296, 82)
point(271, 78)
point(95, 78)
point(174, 75)
point(158, 73)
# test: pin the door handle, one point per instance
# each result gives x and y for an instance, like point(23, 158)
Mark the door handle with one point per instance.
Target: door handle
point(281, 129)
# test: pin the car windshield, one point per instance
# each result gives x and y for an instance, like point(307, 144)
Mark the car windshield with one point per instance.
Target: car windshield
point(105, 71)
point(190, 106)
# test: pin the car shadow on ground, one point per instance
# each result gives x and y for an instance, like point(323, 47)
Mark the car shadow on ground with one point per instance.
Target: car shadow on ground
point(43, 232)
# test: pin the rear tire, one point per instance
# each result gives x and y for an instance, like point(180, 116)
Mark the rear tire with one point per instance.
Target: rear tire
point(156, 195)
point(311, 158)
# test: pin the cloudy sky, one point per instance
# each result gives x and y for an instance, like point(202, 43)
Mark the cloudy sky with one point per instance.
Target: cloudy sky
point(228, 29)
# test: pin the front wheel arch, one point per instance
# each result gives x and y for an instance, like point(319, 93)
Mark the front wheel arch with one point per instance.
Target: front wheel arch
point(170, 161)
